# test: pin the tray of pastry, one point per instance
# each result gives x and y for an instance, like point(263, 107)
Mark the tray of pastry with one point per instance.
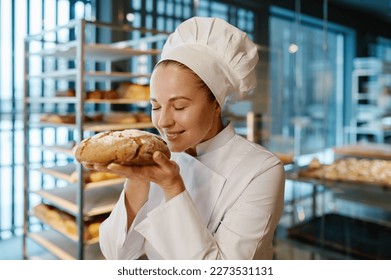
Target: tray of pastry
point(99, 126)
point(66, 223)
point(97, 201)
point(370, 150)
point(98, 119)
point(70, 118)
point(126, 92)
point(112, 121)
point(351, 170)
point(92, 179)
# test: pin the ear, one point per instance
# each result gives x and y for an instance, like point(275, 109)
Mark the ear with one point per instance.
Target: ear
point(217, 108)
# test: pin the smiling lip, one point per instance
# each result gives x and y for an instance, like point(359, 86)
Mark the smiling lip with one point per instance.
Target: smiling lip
point(172, 135)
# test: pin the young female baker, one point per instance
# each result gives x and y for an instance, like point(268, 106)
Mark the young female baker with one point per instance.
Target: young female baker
point(219, 196)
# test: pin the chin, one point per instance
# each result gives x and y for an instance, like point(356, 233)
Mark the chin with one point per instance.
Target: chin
point(174, 148)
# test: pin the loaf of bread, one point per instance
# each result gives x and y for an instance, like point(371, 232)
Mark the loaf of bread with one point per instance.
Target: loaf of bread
point(359, 170)
point(91, 176)
point(69, 118)
point(132, 91)
point(126, 147)
point(102, 94)
point(58, 118)
point(94, 94)
point(120, 117)
point(126, 117)
point(66, 223)
point(66, 93)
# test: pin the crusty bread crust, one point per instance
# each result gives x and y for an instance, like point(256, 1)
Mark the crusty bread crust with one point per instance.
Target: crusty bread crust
point(126, 147)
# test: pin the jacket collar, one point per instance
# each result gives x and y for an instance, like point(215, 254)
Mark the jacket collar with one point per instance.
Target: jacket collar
point(216, 142)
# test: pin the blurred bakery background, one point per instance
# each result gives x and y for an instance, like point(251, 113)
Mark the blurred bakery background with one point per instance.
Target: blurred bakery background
point(72, 68)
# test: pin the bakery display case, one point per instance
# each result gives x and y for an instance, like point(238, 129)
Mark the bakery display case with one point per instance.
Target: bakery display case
point(359, 175)
point(77, 92)
point(360, 171)
point(362, 181)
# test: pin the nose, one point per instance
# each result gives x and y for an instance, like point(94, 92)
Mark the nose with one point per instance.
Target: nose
point(165, 118)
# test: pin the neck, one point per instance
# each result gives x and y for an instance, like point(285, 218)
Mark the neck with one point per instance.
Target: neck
point(216, 128)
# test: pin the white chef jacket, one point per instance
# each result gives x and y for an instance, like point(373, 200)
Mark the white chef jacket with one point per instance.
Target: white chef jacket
point(233, 201)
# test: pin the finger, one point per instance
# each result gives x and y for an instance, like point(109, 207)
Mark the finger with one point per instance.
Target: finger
point(127, 171)
point(88, 165)
point(161, 159)
point(117, 167)
point(101, 168)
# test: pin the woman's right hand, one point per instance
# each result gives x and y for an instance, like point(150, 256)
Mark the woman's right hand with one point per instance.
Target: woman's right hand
point(165, 173)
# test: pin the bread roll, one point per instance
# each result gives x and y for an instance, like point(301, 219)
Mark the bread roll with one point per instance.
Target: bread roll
point(128, 90)
point(56, 118)
point(110, 94)
point(94, 94)
point(66, 223)
point(66, 93)
point(118, 117)
point(126, 147)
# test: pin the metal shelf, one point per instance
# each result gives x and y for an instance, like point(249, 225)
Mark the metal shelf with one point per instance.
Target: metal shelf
point(97, 200)
point(95, 52)
point(73, 100)
point(93, 76)
point(77, 198)
point(65, 173)
point(62, 231)
point(368, 83)
point(62, 247)
point(372, 194)
point(66, 149)
point(98, 127)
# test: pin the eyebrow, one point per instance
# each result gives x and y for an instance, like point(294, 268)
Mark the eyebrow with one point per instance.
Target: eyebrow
point(172, 99)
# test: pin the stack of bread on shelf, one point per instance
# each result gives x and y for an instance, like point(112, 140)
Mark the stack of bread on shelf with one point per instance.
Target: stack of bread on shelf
point(360, 170)
point(91, 176)
point(66, 223)
point(126, 118)
point(133, 91)
point(110, 118)
point(69, 118)
point(126, 90)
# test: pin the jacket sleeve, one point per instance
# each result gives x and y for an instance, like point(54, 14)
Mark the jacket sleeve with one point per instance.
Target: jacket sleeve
point(176, 230)
point(116, 242)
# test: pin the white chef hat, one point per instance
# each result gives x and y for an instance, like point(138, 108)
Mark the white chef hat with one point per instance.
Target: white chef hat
point(220, 54)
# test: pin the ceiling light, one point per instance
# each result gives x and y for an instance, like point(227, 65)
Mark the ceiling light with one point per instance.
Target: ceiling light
point(130, 17)
point(293, 48)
